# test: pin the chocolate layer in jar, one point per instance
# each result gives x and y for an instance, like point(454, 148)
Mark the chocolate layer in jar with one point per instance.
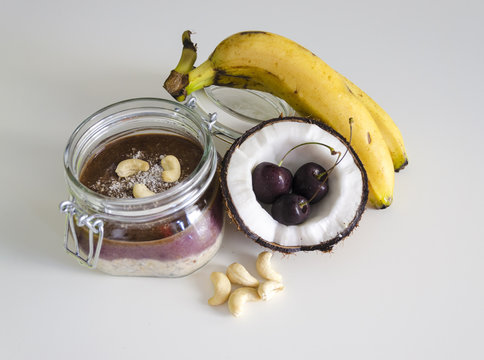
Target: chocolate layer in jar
point(170, 245)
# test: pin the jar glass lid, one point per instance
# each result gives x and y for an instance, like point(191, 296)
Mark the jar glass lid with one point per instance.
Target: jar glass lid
point(238, 109)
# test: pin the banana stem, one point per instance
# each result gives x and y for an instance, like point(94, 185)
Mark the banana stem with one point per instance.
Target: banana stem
point(189, 54)
point(178, 79)
point(200, 77)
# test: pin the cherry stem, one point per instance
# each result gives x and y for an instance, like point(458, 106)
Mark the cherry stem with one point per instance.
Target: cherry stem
point(338, 160)
point(333, 151)
point(330, 170)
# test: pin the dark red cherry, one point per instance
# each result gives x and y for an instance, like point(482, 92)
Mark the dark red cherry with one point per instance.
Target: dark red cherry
point(310, 181)
point(269, 181)
point(290, 209)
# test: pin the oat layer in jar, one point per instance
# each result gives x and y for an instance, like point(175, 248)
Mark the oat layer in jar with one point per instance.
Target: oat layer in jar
point(177, 226)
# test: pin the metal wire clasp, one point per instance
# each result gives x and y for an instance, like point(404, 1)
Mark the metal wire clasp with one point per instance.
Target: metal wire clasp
point(94, 225)
point(210, 120)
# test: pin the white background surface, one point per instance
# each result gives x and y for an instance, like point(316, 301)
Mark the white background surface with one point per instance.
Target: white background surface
point(408, 284)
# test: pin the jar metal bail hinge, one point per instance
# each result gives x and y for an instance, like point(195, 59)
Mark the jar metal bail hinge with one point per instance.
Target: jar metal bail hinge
point(212, 117)
point(192, 102)
point(93, 224)
point(228, 135)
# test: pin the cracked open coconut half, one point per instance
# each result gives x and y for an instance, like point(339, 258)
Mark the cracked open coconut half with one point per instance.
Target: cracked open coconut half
point(331, 219)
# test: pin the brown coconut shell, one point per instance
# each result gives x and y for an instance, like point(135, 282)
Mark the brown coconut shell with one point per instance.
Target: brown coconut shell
point(325, 246)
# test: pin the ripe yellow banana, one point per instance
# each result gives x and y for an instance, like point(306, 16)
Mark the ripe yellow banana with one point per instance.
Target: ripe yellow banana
point(391, 134)
point(272, 63)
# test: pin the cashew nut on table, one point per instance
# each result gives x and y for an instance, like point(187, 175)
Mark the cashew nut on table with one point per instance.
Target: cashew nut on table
point(239, 297)
point(222, 288)
point(264, 267)
point(239, 275)
point(251, 289)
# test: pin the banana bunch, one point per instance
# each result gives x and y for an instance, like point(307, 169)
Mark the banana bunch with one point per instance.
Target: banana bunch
point(272, 63)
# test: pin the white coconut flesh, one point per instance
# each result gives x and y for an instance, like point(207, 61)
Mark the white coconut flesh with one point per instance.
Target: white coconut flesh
point(330, 218)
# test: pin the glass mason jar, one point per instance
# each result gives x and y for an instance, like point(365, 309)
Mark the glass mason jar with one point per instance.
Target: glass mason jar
point(170, 234)
point(177, 231)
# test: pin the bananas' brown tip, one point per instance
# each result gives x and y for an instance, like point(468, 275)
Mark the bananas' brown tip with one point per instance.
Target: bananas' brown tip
point(386, 202)
point(401, 167)
point(381, 204)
